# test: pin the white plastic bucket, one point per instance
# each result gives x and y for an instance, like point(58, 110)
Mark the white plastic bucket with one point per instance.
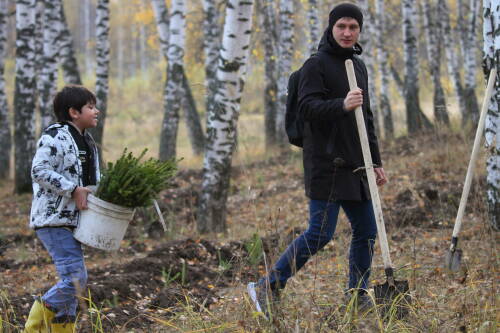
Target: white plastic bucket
point(103, 224)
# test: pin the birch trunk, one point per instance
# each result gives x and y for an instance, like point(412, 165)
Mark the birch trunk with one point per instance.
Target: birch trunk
point(195, 130)
point(285, 52)
point(314, 26)
point(102, 68)
point(369, 52)
point(470, 63)
point(415, 118)
point(173, 87)
point(52, 28)
point(39, 26)
point(211, 48)
point(433, 31)
point(5, 135)
point(222, 121)
point(69, 64)
point(24, 96)
point(491, 59)
point(268, 17)
point(452, 59)
point(193, 122)
point(382, 56)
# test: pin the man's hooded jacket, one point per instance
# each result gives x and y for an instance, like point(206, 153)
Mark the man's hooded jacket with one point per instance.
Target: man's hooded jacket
point(330, 132)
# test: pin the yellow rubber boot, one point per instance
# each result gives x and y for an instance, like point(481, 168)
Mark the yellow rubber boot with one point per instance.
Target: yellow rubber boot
point(62, 327)
point(39, 319)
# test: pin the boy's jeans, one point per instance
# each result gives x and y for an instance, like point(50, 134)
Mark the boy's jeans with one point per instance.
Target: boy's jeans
point(322, 223)
point(67, 254)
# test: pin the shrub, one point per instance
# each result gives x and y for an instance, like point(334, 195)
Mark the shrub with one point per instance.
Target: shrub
point(132, 183)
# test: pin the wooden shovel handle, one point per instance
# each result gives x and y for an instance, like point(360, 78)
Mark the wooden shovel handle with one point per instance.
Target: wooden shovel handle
point(475, 153)
point(367, 157)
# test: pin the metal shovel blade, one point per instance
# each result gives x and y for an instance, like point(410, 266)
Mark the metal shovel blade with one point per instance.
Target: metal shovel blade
point(393, 298)
point(453, 259)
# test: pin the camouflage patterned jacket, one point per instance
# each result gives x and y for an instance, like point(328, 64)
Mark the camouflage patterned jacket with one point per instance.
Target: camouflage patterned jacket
point(56, 171)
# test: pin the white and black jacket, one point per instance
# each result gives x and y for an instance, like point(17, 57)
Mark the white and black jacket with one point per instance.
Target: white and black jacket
point(56, 171)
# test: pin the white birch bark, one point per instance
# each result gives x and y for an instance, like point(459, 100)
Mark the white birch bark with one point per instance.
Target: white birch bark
point(5, 135)
point(71, 73)
point(52, 28)
point(268, 21)
point(102, 68)
point(415, 118)
point(24, 96)
point(433, 32)
point(314, 26)
point(143, 56)
point(39, 26)
point(491, 59)
point(369, 56)
point(285, 55)
point(470, 63)
point(195, 130)
point(173, 88)
point(222, 121)
point(382, 56)
point(452, 56)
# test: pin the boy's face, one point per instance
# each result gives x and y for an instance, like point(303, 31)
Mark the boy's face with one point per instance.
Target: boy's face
point(346, 32)
point(86, 118)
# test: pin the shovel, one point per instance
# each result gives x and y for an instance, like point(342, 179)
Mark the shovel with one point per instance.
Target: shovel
point(392, 295)
point(453, 257)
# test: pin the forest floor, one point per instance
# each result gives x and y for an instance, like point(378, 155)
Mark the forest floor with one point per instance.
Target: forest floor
point(180, 281)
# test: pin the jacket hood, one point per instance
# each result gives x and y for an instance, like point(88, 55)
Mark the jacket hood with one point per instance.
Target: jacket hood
point(329, 45)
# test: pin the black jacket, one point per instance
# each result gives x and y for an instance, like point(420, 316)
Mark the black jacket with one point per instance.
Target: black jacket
point(330, 132)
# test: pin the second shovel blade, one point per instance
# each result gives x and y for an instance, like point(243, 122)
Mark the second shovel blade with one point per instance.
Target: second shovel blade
point(393, 298)
point(453, 259)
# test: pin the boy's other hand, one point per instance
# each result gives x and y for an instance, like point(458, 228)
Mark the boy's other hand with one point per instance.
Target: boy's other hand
point(80, 197)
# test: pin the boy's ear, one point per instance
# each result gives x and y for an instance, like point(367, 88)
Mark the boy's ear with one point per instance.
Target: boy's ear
point(73, 113)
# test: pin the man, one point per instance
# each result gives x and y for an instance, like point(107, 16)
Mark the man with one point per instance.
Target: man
point(333, 160)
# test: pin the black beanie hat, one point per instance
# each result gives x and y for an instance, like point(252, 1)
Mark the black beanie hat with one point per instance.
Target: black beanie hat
point(346, 10)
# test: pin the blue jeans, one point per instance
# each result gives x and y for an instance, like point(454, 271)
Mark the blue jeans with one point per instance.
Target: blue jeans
point(67, 255)
point(322, 224)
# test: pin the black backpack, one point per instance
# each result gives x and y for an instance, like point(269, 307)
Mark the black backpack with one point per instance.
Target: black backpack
point(294, 124)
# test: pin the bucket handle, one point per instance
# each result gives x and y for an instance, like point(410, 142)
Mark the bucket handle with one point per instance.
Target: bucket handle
point(160, 215)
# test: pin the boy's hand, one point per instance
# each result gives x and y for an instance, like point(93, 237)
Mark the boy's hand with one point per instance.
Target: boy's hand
point(80, 197)
point(353, 99)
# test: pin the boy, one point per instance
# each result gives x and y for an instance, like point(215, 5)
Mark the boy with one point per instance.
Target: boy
point(65, 162)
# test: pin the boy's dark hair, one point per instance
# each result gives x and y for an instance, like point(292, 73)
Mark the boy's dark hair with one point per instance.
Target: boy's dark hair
point(71, 96)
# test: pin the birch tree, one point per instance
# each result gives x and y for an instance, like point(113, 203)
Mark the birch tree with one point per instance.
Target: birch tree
point(285, 53)
point(270, 39)
point(195, 130)
point(369, 51)
point(5, 135)
point(452, 59)
point(24, 96)
point(470, 64)
point(223, 119)
point(69, 64)
point(173, 93)
point(102, 68)
point(52, 28)
point(415, 118)
point(382, 56)
point(433, 30)
point(211, 42)
point(491, 59)
point(314, 26)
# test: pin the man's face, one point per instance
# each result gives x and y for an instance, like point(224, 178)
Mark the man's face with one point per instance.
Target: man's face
point(346, 32)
